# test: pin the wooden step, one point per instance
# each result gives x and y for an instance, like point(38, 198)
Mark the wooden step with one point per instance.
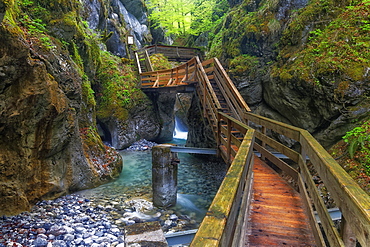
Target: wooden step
point(277, 215)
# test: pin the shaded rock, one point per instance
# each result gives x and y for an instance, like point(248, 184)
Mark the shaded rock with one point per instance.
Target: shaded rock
point(2, 10)
point(200, 133)
point(142, 123)
point(145, 234)
point(164, 107)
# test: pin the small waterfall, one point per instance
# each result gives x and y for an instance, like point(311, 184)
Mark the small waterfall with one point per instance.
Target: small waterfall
point(180, 131)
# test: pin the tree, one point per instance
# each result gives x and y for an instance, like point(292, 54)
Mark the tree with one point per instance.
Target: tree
point(186, 17)
point(172, 15)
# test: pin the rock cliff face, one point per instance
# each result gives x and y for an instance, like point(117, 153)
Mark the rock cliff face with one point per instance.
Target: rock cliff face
point(303, 63)
point(200, 133)
point(50, 61)
point(118, 19)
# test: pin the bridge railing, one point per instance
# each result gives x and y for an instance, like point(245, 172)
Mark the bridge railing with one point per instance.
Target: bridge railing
point(232, 96)
point(207, 96)
point(174, 53)
point(183, 74)
point(355, 208)
point(351, 200)
point(143, 61)
point(224, 223)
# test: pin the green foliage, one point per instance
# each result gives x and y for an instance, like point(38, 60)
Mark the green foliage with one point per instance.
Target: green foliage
point(159, 62)
point(32, 20)
point(358, 141)
point(117, 84)
point(186, 17)
point(240, 64)
point(172, 15)
point(244, 27)
point(336, 52)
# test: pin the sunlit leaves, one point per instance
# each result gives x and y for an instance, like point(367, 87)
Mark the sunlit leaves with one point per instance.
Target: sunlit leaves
point(184, 17)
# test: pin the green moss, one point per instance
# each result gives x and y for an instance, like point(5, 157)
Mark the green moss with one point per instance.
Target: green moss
point(338, 51)
point(244, 27)
point(242, 63)
point(118, 91)
point(11, 15)
point(358, 140)
point(159, 62)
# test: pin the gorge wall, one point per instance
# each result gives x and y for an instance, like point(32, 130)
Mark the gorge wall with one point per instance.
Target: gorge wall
point(302, 62)
point(56, 79)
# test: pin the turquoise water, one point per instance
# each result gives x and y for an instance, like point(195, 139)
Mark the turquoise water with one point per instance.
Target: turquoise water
point(198, 182)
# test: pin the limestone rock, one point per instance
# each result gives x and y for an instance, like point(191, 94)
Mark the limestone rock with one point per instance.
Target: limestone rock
point(145, 234)
point(42, 152)
point(142, 123)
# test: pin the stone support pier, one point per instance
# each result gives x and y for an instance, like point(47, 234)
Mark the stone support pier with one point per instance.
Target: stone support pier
point(164, 176)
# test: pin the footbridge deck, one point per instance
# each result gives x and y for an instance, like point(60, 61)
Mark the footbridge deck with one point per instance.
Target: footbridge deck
point(254, 205)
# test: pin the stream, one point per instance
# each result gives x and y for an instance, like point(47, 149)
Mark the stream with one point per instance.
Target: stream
point(97, 217)
point(198, 180)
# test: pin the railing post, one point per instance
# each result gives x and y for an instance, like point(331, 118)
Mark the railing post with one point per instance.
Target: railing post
point(304, 155)
point(348, 237)
point(228, 140)
point(263, 144)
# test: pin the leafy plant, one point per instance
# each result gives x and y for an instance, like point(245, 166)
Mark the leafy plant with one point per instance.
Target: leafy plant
point(159, 62)
point(358, 141)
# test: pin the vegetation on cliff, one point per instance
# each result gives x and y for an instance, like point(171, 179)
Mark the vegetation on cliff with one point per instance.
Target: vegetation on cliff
point(337, 50)
point(116, 87)
point(353, 153)
point(309, 63)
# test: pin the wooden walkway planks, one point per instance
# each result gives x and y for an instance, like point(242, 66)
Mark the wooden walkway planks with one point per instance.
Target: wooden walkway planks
point(277, 216)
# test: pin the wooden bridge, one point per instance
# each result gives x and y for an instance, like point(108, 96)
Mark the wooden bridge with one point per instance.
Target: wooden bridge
point(255, 205)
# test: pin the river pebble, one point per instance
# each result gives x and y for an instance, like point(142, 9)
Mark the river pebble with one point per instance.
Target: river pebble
point(142, 145)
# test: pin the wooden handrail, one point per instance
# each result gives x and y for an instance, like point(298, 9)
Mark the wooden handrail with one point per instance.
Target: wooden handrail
point(235, 94)
point(352, 201)
point(148, 62)
point(223, 223)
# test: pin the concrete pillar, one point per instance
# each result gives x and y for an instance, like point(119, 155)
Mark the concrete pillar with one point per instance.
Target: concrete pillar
point(164, 176)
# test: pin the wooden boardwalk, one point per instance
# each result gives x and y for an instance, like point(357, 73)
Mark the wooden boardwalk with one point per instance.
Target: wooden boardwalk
point(277, 216)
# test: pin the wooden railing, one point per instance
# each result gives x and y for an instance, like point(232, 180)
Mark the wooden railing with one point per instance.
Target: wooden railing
point(224, 223)
point(352, 201)
point(143, 61)
point(235, 102)
point(183, 74)
point(173, 53)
